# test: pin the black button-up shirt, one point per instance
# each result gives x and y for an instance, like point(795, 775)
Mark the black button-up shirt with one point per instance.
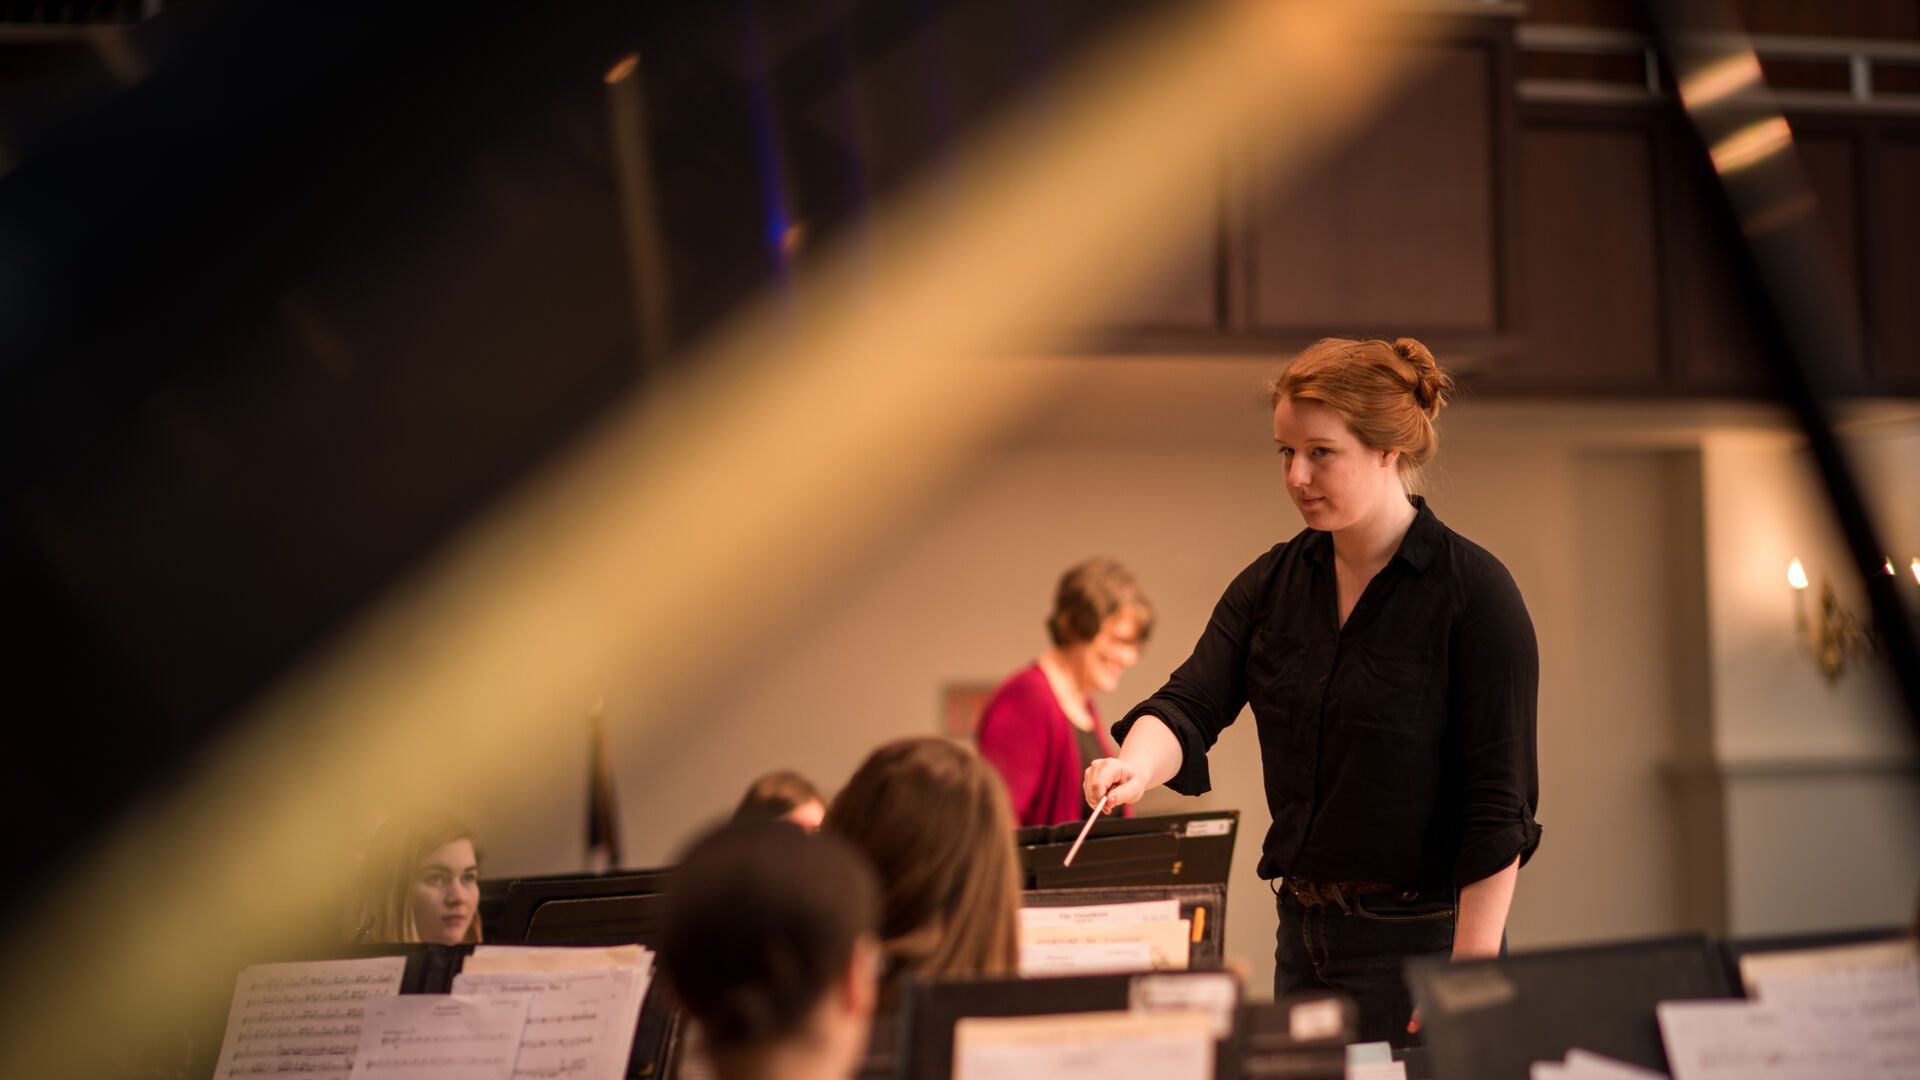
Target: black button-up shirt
point(1398, 749)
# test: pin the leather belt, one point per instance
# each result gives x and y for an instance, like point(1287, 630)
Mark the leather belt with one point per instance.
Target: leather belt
point(1318, 894)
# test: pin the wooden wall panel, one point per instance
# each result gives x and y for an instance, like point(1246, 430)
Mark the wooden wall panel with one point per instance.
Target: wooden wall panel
point(1590, 296)
point(1396, 229)
point(1717, 332)
point(1896, 298)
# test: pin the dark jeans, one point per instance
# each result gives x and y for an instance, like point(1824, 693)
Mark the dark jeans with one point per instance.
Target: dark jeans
point(1359, 951)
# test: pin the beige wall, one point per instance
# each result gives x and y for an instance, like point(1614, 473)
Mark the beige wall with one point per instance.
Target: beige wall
point(1167, 465)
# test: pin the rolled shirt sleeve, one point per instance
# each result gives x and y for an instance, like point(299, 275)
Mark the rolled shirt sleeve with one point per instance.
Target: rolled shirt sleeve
point(1206, 693)
point(1495, 685)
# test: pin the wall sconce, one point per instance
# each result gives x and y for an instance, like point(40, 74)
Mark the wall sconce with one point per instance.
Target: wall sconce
point(1833, 635)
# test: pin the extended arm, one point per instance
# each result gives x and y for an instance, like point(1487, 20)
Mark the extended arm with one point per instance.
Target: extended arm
point(1483, 914)
point(1150, 757)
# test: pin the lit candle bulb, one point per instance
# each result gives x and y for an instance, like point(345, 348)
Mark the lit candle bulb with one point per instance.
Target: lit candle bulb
point(1797, 574)
point(1890, 570)
point(1916, 570)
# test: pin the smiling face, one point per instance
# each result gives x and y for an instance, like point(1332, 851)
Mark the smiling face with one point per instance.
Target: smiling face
point(1097, 665)
point(1335, 480)
point(446, 893)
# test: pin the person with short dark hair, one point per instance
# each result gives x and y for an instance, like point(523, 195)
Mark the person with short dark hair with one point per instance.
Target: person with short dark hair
point(1039, 729)
point(771, 942)
point(782, 795)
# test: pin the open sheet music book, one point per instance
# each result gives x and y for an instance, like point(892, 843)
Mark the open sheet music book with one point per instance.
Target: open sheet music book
point(584, 1005)
point(302, 1019)
point(1817, 1017)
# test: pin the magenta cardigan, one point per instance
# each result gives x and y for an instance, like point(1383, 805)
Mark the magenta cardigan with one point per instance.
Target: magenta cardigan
point(1026, 735)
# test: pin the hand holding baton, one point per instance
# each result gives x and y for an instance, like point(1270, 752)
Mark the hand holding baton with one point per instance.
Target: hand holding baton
point(1084, 830)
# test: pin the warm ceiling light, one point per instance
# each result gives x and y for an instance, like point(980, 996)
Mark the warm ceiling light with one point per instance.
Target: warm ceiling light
point(1796, 574)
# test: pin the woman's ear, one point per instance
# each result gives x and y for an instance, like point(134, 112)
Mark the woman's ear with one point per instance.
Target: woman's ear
point(859, 991)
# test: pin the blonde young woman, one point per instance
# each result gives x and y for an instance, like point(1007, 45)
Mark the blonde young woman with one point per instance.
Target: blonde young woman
point(1393, 674)
point(419, 881)
point(933, 819)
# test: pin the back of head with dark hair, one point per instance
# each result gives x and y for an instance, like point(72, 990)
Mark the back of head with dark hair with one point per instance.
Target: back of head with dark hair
point(775, 795)
point(761, 920)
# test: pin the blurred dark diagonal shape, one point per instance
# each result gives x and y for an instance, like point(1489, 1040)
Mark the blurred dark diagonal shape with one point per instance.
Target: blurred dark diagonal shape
point(625, 560)
point(1809, 320)
point(278, 317)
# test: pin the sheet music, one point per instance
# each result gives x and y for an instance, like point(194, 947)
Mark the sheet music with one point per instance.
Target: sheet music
point(1788, 1040)
point(1878, 1008)
point(1102, 914)
point(302, 1019)
point(1085, 958)
point(1084, 1046)
point(441, 1037)
point(1757, 968)
point(1586, 1065)
point(579, 1023)
point(1167, 943)
point(526, 959)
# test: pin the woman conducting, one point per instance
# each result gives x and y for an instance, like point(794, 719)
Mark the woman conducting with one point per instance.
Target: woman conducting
point(1393, 675)
point(1039, 729)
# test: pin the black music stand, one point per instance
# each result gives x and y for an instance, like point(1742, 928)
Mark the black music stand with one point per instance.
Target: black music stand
point(524, 897)
point(1289, 1038)
point(1494, 1018)
point(931, 1009)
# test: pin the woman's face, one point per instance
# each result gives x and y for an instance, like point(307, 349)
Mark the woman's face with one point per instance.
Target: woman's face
point(1098, 664)
point(446, 892)
point(1334, 479)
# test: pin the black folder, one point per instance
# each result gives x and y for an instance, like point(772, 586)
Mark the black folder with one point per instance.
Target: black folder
point(1159, 849)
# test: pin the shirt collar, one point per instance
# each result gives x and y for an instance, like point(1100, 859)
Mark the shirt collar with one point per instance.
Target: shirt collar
point(1417, 548)
point(1422, 541)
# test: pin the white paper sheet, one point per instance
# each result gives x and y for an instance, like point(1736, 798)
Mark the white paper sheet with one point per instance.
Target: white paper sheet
point(1084, 1046)
point(1145, 911)
point(1167, 942)
point(567, 973)
point(302, 1018)
point(1085, 958)
point(441, 1037)
point(1215, 995)
point(580, 1023)
point(1586, 1065)
point(1378, 1070)
point(1722, 1040)
point(1757, 968)
point(525, 959)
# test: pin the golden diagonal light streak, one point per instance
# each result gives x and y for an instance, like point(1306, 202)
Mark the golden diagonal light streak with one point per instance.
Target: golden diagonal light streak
point(698, 512)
